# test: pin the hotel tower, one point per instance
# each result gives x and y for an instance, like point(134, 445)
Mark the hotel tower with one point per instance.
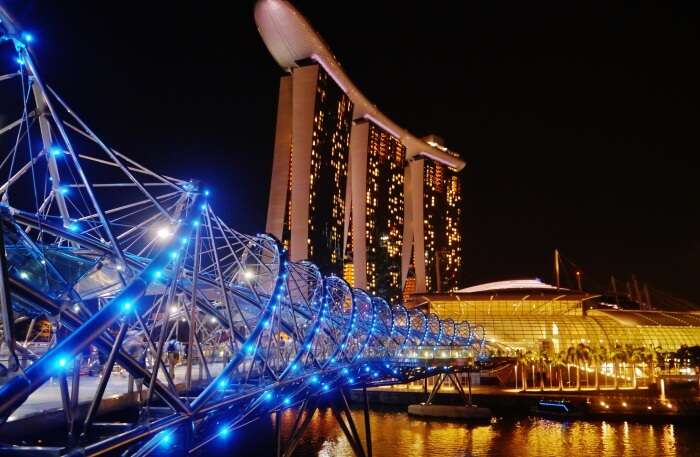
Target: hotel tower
point(352, 191)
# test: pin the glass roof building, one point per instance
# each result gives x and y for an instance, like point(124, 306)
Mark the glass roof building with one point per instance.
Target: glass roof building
point(531, 315)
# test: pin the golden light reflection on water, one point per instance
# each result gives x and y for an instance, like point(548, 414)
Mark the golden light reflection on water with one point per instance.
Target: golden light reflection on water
point(397, 434)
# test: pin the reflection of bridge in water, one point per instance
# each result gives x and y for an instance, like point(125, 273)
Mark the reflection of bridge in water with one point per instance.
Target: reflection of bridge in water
point(120, 260)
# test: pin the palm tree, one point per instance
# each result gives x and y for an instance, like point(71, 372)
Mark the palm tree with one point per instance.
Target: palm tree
point(582, 356)
point(570, 360)
point(559, 362)
point(650, 359)
point(595, 358)
point(618, 355)
point(636, 356)
point(543, 358)
point(605, 357)
point(522, 361)
point(530, 357)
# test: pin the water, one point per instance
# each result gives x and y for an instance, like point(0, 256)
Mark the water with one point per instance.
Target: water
point(395, 434)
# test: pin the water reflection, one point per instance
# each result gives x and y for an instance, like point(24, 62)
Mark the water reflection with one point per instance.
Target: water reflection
point(396, 434)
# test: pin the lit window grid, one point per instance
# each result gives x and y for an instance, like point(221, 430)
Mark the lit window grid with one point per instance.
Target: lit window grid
point(328, 174)
point(441, 209)
point(384, 201)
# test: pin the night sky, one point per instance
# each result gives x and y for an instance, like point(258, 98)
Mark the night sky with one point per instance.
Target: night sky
point(579, 122)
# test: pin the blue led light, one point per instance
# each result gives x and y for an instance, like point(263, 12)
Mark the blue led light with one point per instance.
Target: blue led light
point(351, 381)
point(62, 362)
point(344, 371)
point(127, 305)
point(174, 255)
point(55, 151)
point(314, 379)
point(196, 223)
point(294, 366)
point(64, 190)
point(287, 400)
point(73, 227)
point(27, 37)
point(166, 439)
point(267, 396)
point(157, 274)
point(203, 206)
point(19, 60)
point(206, 192)
point(223, 384)
point(366, 368)
point(325, 387)
point(224, 432)
point(249, 348)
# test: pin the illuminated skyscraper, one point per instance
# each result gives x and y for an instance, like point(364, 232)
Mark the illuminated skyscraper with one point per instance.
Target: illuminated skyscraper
point(347, 182)
point(310, 167)
point(441, 222)
point(377, 188)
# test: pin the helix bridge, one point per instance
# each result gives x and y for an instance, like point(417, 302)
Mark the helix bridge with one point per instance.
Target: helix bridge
point(110, 252)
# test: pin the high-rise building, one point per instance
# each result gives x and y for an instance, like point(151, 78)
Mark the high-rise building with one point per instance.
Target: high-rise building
point(351, 190)
point(377, 212)
point(441, 226)
point(308, 191)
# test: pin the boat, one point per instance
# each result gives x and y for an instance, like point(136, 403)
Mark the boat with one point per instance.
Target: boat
point(557, 409)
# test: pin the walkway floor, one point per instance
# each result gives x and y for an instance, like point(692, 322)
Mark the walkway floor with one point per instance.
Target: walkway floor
point(48, 396)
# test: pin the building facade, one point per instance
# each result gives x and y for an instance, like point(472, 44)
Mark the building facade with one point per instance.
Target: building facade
point(528, 315)
point(310, 167)
point(377, 209)
point(351, 190)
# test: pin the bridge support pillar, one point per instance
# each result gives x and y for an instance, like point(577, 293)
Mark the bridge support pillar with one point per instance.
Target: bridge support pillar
point(368, 430)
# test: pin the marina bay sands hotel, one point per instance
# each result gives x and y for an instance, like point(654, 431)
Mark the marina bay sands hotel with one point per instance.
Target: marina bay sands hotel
point(352, 191)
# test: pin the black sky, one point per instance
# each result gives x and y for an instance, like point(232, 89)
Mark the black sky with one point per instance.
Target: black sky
point(578, 120)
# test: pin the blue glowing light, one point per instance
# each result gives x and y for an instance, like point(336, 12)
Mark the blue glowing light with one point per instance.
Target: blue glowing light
point(157, 274)
point(314, 379)
point(351, 381)
point(166, 439)
point(196, 223)
point(203, 206)
point(19, 60)
point(173, 255)
point(344, 371)
point(294, 366)
point(62, 362)
point(27, 37)
point(249, 348)
point(223, 384)
point(287, 400)
point(366, 368)
point(73, 227)
point(325, 387)
point(127, 305)
point(224, 432)
point(55, 151)
point(63, 190)
point(267, 396)
point(183, 240)
point(206, 192)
